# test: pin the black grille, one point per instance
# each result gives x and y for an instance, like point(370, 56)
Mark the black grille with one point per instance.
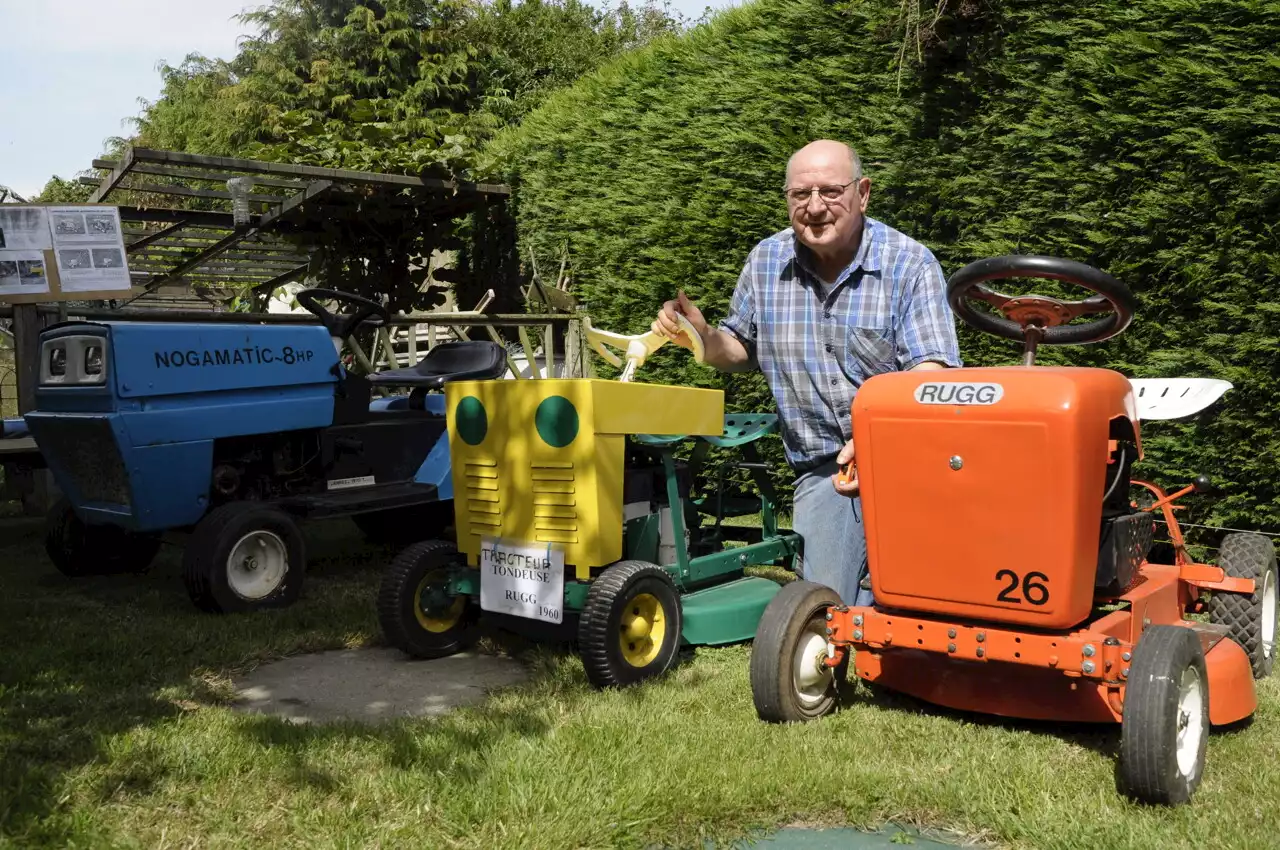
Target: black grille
point(86, 451)
point(1126, 540)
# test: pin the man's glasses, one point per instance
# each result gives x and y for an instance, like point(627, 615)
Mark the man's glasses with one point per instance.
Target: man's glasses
point(829, 194)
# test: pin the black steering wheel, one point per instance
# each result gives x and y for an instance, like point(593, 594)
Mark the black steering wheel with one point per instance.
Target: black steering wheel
point(1033, 319)
point(342, 327)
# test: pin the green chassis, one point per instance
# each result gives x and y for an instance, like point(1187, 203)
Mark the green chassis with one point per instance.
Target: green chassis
point(720, 604)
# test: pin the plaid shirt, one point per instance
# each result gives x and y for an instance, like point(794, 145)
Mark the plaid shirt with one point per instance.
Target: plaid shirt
point(887, 311)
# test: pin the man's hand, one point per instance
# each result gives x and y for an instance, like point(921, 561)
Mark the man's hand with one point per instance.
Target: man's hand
point(846, 484)
point(667, 326)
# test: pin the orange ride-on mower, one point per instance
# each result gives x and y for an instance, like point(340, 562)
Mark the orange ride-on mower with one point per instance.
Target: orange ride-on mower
point(1043, 608)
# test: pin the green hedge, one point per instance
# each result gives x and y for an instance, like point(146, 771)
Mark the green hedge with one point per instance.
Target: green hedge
point(1141, 137)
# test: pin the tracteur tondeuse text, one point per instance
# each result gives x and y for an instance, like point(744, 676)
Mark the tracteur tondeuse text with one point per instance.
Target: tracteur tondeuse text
point(574, 516)
point(235, 433)
point(1043, 606)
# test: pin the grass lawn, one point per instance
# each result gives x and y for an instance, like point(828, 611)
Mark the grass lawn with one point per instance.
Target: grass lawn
point(114, 732)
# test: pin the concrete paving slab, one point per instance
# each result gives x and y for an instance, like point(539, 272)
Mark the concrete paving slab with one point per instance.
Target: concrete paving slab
point(371, 685)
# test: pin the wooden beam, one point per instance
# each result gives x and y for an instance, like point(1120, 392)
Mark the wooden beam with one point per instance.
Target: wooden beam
point(154, 237)
point(237, 260)
point(186, 191)
point(113, 179)
point(282, 279)
point(187, 174)
point(314, 171)
point(195, 218)
point(27, 324)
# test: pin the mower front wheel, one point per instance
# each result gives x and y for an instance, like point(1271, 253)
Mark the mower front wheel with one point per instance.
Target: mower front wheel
point(1251, 619)
point(79, 549)
point(244, 556)
point(631, 624)
point(789, 681)
point(417, 614)
point(1165, 723)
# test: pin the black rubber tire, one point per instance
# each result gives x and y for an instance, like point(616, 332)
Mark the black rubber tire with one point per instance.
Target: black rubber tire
point(1148, 767)
point(785, 622)
point(398, 603)
point(1252, 556)
point(600, 623)
point(78, 549)
point(403, 526)
point(204, 562)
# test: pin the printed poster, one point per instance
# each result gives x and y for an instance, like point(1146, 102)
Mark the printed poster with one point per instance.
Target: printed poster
point(88, 243)
point(24, 234)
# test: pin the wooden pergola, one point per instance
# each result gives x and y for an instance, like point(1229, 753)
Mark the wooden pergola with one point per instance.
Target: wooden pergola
point(202, 242)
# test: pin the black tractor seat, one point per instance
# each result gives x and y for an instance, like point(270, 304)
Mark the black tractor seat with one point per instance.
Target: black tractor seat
point(472, 360)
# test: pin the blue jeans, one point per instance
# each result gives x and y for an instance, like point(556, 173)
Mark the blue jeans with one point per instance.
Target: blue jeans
point(835, 544)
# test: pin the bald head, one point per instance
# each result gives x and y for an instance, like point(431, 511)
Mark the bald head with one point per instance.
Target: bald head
point(826, 198)
point(825, 156)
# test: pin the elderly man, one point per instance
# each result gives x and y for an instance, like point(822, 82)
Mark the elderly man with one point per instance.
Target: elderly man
point(819, 308)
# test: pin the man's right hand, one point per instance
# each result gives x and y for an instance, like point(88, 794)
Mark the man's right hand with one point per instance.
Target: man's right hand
point(667, 325)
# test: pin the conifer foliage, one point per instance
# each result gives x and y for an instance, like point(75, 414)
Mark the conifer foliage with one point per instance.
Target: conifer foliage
point(1139, 136)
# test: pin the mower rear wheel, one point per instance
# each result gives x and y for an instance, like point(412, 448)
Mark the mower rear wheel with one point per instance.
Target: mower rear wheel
point(789, 682)
point(79, 549)
point(244, 556)
point(631, 624)
point(417, 614)
point(1251, 619)
point(1165, 724)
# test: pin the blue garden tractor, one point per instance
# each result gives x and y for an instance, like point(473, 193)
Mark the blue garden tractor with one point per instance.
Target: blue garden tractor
point(230, 435)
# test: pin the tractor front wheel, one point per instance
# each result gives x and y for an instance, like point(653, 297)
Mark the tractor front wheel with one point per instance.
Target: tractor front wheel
point(417, 614)
point(78, 549)
point(244, 556)
point(1251, 619)
point(631, 624)
point(1165, 725)
point(789, 680)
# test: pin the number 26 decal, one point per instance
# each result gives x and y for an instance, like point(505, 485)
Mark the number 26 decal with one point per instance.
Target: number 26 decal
point(1035, 592)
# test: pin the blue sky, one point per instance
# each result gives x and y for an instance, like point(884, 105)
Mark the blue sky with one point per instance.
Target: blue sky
point(72, 71)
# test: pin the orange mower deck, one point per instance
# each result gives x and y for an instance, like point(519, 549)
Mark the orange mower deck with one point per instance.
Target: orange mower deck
point(1073, 676)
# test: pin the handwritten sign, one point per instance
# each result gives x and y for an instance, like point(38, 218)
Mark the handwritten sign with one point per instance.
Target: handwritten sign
point(527, 581)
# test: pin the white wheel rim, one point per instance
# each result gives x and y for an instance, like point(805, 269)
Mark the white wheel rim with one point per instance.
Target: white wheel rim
point(1190, 721)
point(1268, 613)
point(810, 676)
point(257, 564)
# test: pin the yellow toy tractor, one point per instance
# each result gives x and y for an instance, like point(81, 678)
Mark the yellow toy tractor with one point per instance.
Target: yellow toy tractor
point(575, 518)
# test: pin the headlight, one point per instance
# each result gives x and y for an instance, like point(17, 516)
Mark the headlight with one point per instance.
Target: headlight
point(93, 360)
point(74, 361)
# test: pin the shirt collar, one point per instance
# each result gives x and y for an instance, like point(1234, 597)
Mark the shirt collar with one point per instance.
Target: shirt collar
point(867, 258)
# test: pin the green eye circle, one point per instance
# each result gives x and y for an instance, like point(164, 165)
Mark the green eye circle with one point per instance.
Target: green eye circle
point(471, 421)
point(556, 421)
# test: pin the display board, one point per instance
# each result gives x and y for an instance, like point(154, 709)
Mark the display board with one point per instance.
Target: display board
point(61, 252)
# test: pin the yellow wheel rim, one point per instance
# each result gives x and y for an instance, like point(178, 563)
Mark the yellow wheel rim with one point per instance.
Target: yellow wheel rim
point(436, 619)
point(642, 630)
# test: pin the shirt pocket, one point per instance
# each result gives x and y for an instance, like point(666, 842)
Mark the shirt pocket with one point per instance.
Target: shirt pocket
point(871, 350)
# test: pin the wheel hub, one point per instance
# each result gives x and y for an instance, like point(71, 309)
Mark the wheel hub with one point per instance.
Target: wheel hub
point(435, 609)
point(1190, 721)
point(1268, 613)
point(812, 677)
point(642, 628)
point(257, 564)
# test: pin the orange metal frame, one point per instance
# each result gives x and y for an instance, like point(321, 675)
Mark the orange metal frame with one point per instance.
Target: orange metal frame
point(1074, 675)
